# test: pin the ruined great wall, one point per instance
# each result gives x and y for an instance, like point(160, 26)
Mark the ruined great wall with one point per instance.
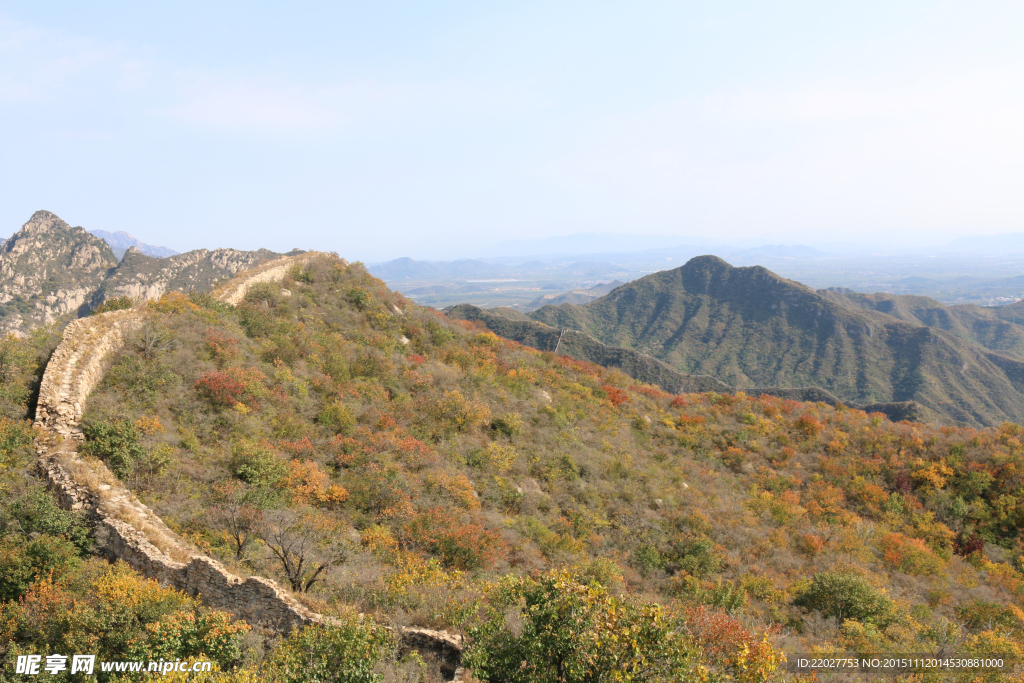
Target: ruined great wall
point(128, 530)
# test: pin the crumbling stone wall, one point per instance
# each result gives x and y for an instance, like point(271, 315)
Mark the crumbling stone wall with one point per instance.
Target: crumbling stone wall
point(130, 531)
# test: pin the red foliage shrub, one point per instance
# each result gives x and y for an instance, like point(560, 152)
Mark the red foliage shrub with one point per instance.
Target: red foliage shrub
point(965, 546)
point(616, 396)
point(679, 402)
point(809, 425)
point(229, 387)
point(652, 392)
point(459, 544)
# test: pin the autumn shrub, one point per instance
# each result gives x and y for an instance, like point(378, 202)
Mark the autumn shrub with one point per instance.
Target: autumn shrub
point(909, 555)
point(346, 651)
point(509, 425)
point(228, 388)
point(557, 629)
point(695, 555)
point(337, 418)
point(464, 544)
point(456, 413)
point(117, 303)
point(112, 612)
point(494, 457)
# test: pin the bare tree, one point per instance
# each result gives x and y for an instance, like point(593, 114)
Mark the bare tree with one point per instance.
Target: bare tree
point(151, 340)
point(236, 510)
point(305, 545)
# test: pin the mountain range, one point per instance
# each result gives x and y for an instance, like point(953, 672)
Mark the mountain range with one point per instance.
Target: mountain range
point(50, 270)
point(747, 327)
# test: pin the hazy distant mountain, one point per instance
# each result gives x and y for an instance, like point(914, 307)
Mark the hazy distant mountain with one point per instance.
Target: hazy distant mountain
point(576, 296)
point(120, 241)
point(408, 269)
point(749, 327)
point(50, 270)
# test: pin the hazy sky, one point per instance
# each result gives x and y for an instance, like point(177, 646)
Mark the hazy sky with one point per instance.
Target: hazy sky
point(381, 129)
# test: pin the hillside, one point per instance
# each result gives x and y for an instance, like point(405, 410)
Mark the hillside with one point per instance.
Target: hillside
point(429, 473)
point(429, 464)
point(749, 327)
point(643, 368)
point(52, 271)
point(576, 296)
point(996, 328)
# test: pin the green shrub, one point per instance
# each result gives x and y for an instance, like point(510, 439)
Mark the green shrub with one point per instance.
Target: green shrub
point(556, 629)
point(347, 651)
point(336, 417)
point(256, 464)
point(116, 443)
point(35, 511)
point(117, 303)
point(23, 563)
point(845, 595)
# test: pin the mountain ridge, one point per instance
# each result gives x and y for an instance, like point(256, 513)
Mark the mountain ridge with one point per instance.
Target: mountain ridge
point(54, 271)
point(750, 327)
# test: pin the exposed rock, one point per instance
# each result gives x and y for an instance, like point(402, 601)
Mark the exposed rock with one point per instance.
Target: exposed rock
point(48, 270)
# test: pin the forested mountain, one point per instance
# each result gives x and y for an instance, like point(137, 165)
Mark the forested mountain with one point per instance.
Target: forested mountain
point(749, 327)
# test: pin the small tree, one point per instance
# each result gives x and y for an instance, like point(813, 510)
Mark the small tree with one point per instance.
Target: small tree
point(346, 651)
point(236, 511)
point(117, 443)
point(845, 595)
point(305, 545)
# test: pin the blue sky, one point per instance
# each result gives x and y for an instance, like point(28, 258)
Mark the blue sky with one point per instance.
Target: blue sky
point(431, 129)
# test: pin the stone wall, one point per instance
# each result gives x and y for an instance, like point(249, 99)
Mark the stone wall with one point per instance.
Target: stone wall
point(130, 531)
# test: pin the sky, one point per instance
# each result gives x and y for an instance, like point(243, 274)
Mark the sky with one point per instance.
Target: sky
point(437, 129)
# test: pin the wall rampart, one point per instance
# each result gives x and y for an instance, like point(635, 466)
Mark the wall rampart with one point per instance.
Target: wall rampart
point(130, 531)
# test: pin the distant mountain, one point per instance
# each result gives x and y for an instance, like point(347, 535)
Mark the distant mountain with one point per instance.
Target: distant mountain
point(748, 327)
point(51, 270)
point(576, 296)
point(408, 269)
point(996, 328)
point(120, 241)
point(514, 325)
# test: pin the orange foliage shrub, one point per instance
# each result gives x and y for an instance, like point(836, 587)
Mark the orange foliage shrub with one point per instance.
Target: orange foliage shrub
point(909, 555)
point(810, 544)
point(309, 485)
point(465, 545)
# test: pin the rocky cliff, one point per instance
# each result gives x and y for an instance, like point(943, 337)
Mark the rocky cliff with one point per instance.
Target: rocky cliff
point(48, 270)
point(51, 271)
